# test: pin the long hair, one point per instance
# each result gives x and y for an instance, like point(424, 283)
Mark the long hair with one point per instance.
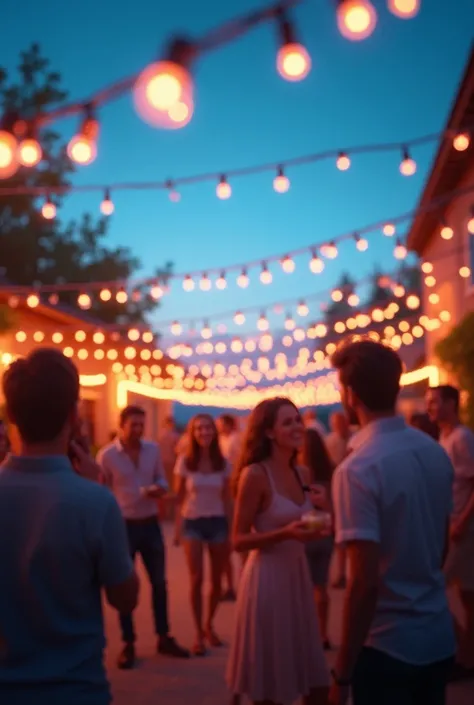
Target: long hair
point(316, 457)
point(257, 446)
point(194, 450)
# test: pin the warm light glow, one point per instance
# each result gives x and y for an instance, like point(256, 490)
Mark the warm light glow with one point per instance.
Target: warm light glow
point(38, 336)
point(407, 165)
point(353, 300)
point(316, 264)
point(356, 19)
point(163, 95)
point(20, 336)
point(343, 162)
point(239, 318)
point(293, 62)
point(405, 9)
point(98, 338)
point(221, 282)
point(29, 152)
point(121, 296)
point(243, 280)
point(176, 328)
point(107, 206)
point(82, 149)
point(413, 301)
point(470, 225)
point(205, 283)
point(92, 380)
point(84, 301)
point(362, 244)
point(105, 295)
point(8, 155)
point(329, 250)
point(465, 272)
point(461, 141)
point(430, 281)
point(57, 338)
point(188, 283)
point(388, 229)
point(262, 323)
point(288, 265)
point(223, 189)
point(337, 295)
point(302, 309)
point(265, 276)
point(446, 232)
point(400, 251)
point(48, 210)
point(281, 183)
point(32, 301)
point(426, 267)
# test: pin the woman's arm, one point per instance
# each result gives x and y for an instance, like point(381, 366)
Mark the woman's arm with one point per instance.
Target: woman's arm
point(252, 491)
point(180, 492)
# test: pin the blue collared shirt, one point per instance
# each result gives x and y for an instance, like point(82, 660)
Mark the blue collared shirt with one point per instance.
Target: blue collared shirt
point(62, 538)
point(395, 489)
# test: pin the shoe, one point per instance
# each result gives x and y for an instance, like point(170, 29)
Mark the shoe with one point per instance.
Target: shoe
point(168, 646)
point(229, 596)
point(460, 673)
point(212, 638)
point(126, 661)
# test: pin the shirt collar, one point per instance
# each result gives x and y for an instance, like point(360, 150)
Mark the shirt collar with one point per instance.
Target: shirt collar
point(374, 428)
point(39, 463)
point(120, 447)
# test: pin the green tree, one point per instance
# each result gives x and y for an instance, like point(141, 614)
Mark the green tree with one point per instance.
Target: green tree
point(36, 251)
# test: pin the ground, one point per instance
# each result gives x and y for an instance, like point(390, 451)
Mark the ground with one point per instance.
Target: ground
point(164, 681)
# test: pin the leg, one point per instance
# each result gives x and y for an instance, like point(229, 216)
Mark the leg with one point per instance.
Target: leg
point(229, 594)
point(466, 638)
point(126, 659)
point(380, 679)
point(194, 558)
point(340, 560)
point(321, 598)
point(218, 554)
point(431, 682)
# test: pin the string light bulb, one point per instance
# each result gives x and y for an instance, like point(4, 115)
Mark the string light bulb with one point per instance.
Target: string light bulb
point(404, 9)
point(82, 148)
point(188, 283)
point(8, 154)
point(361, 243)
point(48, 209)
point(176, 328)
point(388, 229)
point(461, 141)
point(400, 251)
point(223, 189)
point(265, 275)
point(426, 267)
point(105, 295)
point(329, 250)
point(243, 279)
point(470, 222)
point(316, 264)
point(107, 206)
point(33, 301)
point(121, 296)
point(289, 322)
point(281, 183)
point(407, 165)
point(353, 299)
point(343, 162)
point(302, 309)
point(29, 150)
point(356, 19)
point(163, 93)
point(84, 301)
point(293, 61)
point(446, 231)
point(239, 318)
point(464, 272)
point(288, 264)
point(262, 323)
point(221, 282)
point(337, 295)
point(206, 331)
point(205, 283)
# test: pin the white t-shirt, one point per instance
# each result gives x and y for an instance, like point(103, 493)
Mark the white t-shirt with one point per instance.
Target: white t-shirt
point(459, 445)
point(230, 447)
point(395, 489)
point(204, 491)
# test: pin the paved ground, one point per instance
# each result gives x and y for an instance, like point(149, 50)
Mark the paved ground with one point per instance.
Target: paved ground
point(161, 681)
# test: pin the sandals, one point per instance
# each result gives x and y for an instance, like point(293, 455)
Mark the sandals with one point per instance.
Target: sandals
point(199, 649)
point(213, 639)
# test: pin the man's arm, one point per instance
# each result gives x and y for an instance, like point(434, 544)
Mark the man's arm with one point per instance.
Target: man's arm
point(105, 476)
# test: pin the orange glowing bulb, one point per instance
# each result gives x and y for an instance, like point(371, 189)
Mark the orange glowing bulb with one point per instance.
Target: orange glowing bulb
point(400, 251)
point(29, 152)
point(48, 210)
point(388, 229)
point(446, 232)
point(362, 244)
point(32, 301)
point(343, 162)
point(221, 282)
point(8, 155)
point(470, 225)
point(243, 280)
point(82, 149)
point(461, 142)
point(465, 272)
point(105, 295)
point(405, 9)
point(316, 264)
point(356, 19)
point(205, 284)
point(265, 276)
point(262, 323)
point(239, 318)
point(188, 283)
point(281, 183)
point(107, 206)
point(293, 62)
point(121, 296)
point(223, 189)
point(84, 301)
point(407, 165)
point(288, 265)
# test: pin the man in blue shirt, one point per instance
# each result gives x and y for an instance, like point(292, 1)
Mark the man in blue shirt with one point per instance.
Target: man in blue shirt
point(62, 539)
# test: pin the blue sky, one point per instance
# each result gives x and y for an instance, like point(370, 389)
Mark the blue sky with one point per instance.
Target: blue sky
point(396, 85)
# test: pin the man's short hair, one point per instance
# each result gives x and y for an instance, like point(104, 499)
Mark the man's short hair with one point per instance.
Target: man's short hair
point(372, 371)
point(229, 421)
point(131, 410)
point(41, 392)
point(449, 393)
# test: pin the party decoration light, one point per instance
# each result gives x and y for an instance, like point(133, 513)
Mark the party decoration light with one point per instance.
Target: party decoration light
point(407, 165)
point(470, 222)
point(262, 323)
point(361, 243)
point(281, 183)
point(82, 148)
point(221, 282)
point(48, 209)
point(188, 283)
point(243, 279)
point(33, 301)
point(205, 283)
point(316, 264)
point(121, 296)
point(343, 162)
point(400, 250)
point(223, 189)
point(446, 231)
point(265, 275)
point(8, 154)
point(293, 60)
point(388, 229)
point(107, 206)
point(405, 9)
point(288, 264)
point(464, 272)
point(84, 301)
point(356, 19)
point(30, 152)
point(461, 141)
point(239, 318)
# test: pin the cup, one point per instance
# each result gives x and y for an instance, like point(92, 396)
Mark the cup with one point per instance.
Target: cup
point(316, 520)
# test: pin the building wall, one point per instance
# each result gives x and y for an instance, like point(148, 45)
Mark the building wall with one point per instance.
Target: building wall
point(447, 256)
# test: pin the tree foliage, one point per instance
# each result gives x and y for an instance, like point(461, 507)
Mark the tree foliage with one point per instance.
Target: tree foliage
point(36, 251)
point(456, 352)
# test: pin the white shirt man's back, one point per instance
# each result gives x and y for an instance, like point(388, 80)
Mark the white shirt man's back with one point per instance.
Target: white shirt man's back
point(395, 488)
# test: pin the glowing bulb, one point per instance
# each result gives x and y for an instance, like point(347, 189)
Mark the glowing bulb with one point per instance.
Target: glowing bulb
point(316, 264)
point(265, 275)
point(361, 244)
point(107, 206)
point(405, 9)
point(105, 295)
point(461, 141)
point(32, 301)
point(84, 301)
point(289, 323)
point(8, 155)
point(262, 323)
point(465, 272)
point(400, 251)
point(176, 328)
point(337, 295)
point(388, 229)
point(223, 189)
point(288, 265)
point(413, 302)
point(206, 331)
point(446, 232)
point(293, 62)
point(426, 267)
point(48, 210)
point(205, 284)
point(343, 162)
point(353, 300)
point(98, 338)
point(356, 19)
point(156, 292)
point(188, 283)
point(281, 183)
point(302, 309)
point(163, 95)
point(243, 280)
point(329, 250)
point(29, 152)
point(470, 223)
point(221, 282)
point(121, 296)
point(82, 148)
point(239, 318)
point(407, 165)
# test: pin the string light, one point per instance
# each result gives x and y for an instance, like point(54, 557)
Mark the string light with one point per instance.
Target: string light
point(426, 267)
point(8, 154)
point(206, 331)
point(405, 9)
point(84, 301)
point(239, 318)
point(48, 209)
point(243, 279)
point(356, 19)
point(29, 150)
point(205, 283)
point(343, 162)
point(188, 283)
point(288, 264)
point(223, 189)
point(461, 141)
point(470, 222)
point(329, 250)
point(121, 296)
point(221, 282)
point(464, 272)
point(289, 322)
point(293, 60)
point(82, 148)
point(262, 323)
point(176, 328)
point(446, 231)
point(361, 243)
point(33, 301)
point(107, 207)
point(407, 165)
point(281, 183)
point(265, 275)
point(316, 264)
point(388, 229)
point(105, 295)
point(400, 251)
point(302, 309)
point(337, 295)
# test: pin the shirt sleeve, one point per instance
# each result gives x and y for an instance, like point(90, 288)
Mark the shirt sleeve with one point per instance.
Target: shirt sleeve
point(114, 564)
point(105, 476)
point(355, 507)
point(159, 475)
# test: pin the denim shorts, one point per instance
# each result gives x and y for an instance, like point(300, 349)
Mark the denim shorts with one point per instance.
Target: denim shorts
point(206, 529)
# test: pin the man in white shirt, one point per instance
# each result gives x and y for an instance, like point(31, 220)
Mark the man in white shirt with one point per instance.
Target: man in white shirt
point(392, 500)
point(458, 442)
point(132, 468)
point(310, 420)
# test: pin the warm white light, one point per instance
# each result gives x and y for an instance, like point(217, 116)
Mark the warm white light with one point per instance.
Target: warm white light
point(221, 282)
point(188, 283)
point(8, 155)
point(243, 280)
point(205, 283)
point(293, 62)
point(465, 272)
point(239, 318)
point(29, 152)
point(343, 162)
point(281, 183)
point(400, 251)
point(302, 309)
point(356, 19)
point(407, 165)
point(388, 229)
point(176, 328)
point(163, 95)
point(32, 301)
point(223, 189)
point(461, 141)
point(405, 9)
point(48, 210)
point(288, 265)
point(446, 232)
point(107, 206)
point(426, 267)
point(362, 244)
point(265, 276)
point(84, 301)
point(316, 264)
point(262, 323)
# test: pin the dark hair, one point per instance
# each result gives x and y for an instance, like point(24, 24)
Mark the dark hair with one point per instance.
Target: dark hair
point(41, 392)
point(372, 371)
point(316, 457)
point(193, 451)
point(449, 393)
point(131, 410)
point(257, 446)
point(229, 421)
point(422, 423)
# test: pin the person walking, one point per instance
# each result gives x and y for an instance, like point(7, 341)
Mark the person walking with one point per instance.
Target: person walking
point(132, 468)
point(392, 499)
point(458, 442)
point(62, 542)
point(203, 495)
point(276, 654)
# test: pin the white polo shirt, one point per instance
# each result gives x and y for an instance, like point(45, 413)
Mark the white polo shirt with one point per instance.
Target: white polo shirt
point(395, 488)
point(459, 445)
point(126, 480)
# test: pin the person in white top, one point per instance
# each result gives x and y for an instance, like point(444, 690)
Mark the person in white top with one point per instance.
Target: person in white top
point(458, 442)
point(203, 496)
point(132, 468)
point(310, 420)
point(392, 499)
point(230, 441)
